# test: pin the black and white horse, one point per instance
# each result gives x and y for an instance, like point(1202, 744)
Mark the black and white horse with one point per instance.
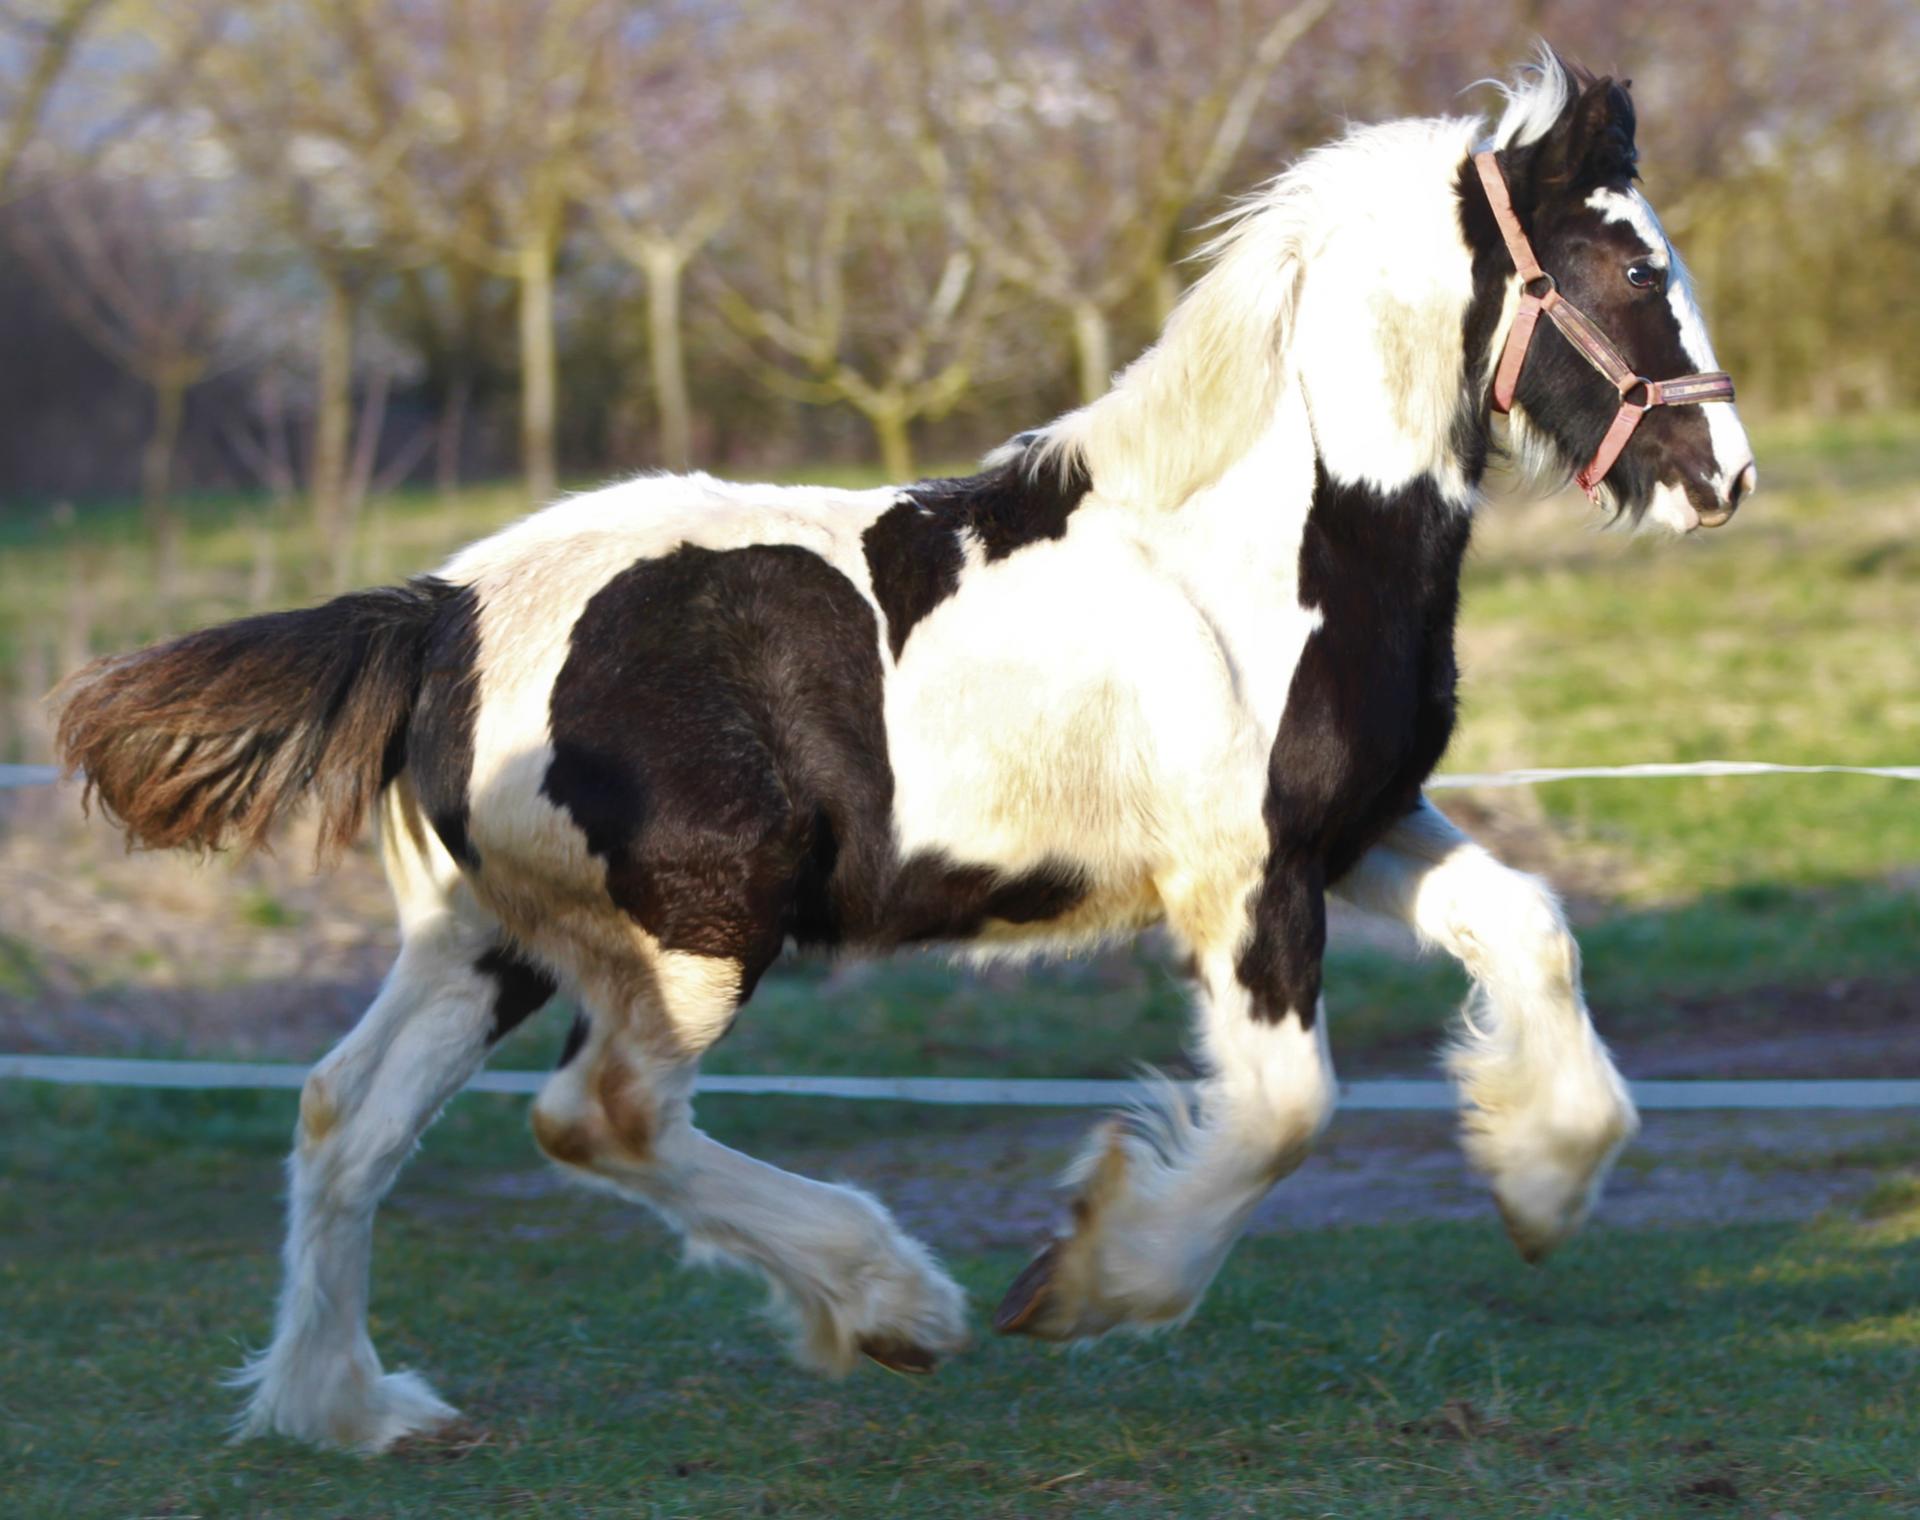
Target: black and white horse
point(1183, 657)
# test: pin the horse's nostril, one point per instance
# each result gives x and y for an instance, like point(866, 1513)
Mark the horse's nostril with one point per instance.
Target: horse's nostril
point(1743, 487)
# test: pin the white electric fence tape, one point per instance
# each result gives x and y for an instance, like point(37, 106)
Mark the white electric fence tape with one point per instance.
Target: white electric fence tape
point(1383, 1096)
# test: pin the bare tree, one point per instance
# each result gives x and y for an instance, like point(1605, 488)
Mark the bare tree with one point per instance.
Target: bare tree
point(122, 269)
point(1075, 147)
point(490, 104)
point(845, 280)
point(48, 41)
point(659, 182)
point(315, 164)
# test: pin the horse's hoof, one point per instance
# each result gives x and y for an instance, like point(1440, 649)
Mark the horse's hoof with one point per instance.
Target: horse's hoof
point(898, 1356)
point(1533, 1250)
point(1029, 1292)
point(453, 1441)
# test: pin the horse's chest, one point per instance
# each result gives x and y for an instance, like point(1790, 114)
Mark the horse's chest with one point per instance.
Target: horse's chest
point(1371, 705)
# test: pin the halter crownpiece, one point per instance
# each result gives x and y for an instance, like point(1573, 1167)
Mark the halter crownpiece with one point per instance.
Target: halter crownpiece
point(1539, 293)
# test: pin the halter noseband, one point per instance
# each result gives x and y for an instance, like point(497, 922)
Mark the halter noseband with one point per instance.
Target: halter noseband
point(1539, 293)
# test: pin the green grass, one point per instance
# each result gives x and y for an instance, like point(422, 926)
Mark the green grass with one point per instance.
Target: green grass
point(1416, 1371)
point(1789, 636)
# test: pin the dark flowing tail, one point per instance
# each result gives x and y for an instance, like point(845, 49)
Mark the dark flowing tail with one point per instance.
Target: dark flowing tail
point(211, 739)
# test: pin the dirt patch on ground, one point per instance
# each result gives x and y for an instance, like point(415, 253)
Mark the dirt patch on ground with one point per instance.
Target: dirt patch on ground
point(1844, 1028)
point(994, 1187)
point(103, 951)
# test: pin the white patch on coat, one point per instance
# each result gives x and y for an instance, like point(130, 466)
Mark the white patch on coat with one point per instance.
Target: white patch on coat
point(1111, 698)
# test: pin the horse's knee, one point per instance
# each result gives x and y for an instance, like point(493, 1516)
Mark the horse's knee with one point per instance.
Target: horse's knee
point(1512, 929)
point(609, 1115)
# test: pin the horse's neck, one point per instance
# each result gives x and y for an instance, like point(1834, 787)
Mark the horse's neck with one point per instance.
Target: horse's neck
point(1238, 542)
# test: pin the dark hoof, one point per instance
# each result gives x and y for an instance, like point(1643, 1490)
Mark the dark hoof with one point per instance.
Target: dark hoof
point(454, 1441)
point(1029, 1291)
point(898, 1355)
point(1532, 1252)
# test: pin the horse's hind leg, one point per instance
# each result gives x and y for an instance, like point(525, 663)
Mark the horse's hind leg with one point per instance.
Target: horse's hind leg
point(361, 1112)
point(619, 1108)
point(1546, 1111)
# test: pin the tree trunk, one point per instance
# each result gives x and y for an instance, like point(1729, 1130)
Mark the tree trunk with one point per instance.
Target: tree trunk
point(664, 267)
point(537, 378)
point(156, 477)
point(896, 441)
point(1166, 294)
point(1093, 347)
point(333, 425)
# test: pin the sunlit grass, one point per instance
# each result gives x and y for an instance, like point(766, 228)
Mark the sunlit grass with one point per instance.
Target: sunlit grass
point(1405, 1371)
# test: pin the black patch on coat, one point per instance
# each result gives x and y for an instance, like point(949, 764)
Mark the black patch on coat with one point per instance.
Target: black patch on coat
point(719, 739)
point(1367, 718)
point(914, 558)
point(915, 549)
point(1492, 267)
point(440, 736)
point(576, 1039)
point(521, 989)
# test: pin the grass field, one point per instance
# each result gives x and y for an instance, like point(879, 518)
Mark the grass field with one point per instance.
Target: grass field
point(1412, 1371)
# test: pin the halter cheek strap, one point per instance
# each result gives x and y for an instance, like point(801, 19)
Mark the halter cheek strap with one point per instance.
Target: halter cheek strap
point(1538, 294)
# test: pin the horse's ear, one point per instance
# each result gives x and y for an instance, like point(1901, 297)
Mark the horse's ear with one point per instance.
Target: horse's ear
point(1592, 142)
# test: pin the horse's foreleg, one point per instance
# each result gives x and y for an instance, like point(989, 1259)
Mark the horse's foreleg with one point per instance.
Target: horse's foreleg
point(1546, 1110)
point(620, 1109)
point(1164, 1193)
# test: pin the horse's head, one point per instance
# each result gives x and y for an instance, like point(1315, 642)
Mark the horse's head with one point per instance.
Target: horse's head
point(1572, 186)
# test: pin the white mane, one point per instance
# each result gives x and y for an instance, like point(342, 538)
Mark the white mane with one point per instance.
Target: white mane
point(1534, 100)
point(1196, 401)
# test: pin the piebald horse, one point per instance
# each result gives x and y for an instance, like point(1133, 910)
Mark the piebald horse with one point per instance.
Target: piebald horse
point(1183, 657)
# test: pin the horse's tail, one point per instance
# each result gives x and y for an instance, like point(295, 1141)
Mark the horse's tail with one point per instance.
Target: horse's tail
point(211, 739)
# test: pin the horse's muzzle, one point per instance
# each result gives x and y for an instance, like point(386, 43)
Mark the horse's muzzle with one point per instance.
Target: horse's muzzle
point(1742, 488)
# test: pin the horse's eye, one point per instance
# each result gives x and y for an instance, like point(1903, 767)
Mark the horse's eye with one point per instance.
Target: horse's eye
point(1645, 276)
